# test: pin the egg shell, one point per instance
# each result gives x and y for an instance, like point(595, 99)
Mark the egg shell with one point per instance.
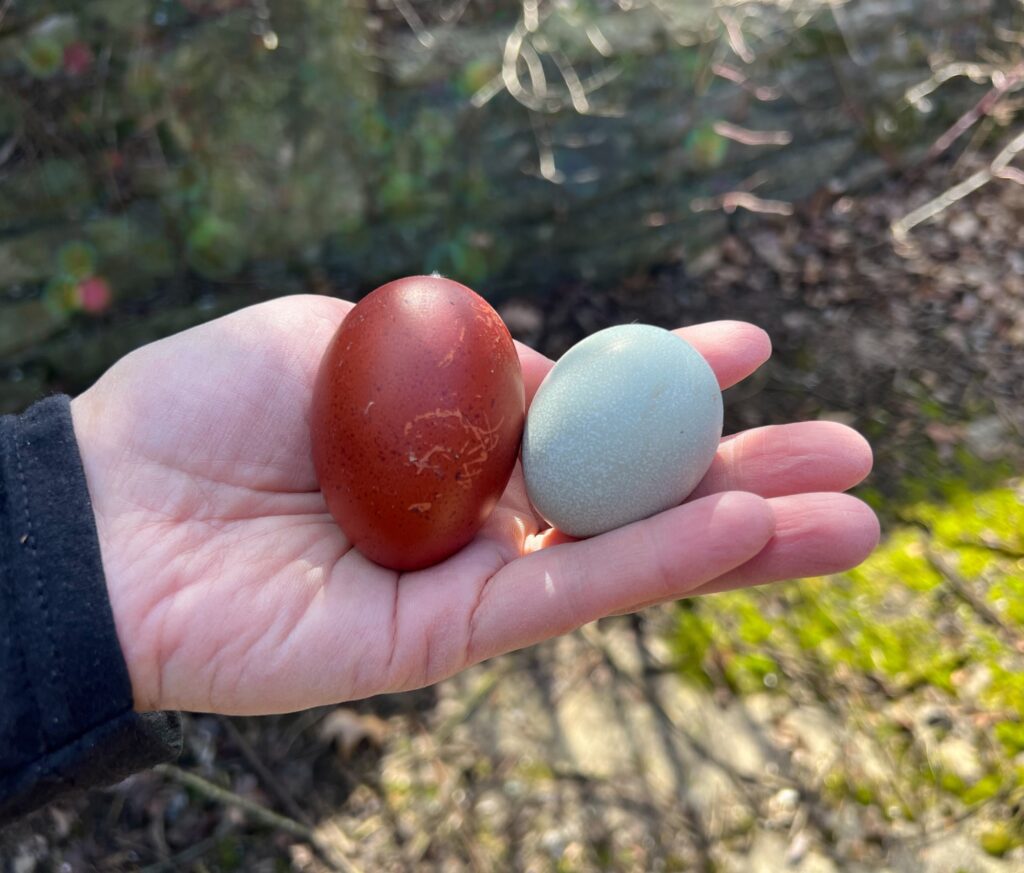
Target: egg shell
point(417, 417)
point(625, 425)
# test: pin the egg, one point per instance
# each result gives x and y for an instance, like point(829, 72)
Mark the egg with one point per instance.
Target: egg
point(417, 416)
point(625, 425)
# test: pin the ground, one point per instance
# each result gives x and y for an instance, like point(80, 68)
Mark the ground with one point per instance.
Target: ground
point(861, 723)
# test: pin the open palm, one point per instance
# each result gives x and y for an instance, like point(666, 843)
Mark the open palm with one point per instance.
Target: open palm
point(234, 591)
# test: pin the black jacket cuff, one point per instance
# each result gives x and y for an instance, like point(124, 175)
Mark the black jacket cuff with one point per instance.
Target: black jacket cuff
point(66, 717)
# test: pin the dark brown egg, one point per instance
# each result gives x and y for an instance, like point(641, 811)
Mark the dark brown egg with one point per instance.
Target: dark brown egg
point(417, 416)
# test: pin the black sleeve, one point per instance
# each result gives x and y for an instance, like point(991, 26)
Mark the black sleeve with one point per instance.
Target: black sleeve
point(66, 718)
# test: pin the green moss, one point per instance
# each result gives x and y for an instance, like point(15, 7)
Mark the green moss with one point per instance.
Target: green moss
point(692, 642)
point(1011, 735)
point(894, 623)
point(984, 789)
point(998, 840)
point(535, 770)
point(864, 794)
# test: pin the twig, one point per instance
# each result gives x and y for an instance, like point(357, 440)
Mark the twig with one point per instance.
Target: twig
point(983, 107)
point(734, 200)
point(572, 81)
point(415, 23)
point(1000, 547)
point(599, 41)
point(752, 137)
point(763, 93)
point(962, 589)
point(977, 73)
point(734, 33)
point(259, 812)
point(535, 67)
point(531, 17)
point(229, 798)
point(545, 153)
point(995, 170)
point(271, 781)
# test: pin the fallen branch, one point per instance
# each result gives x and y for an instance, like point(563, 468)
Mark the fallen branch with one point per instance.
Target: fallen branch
point(999, 168)
point(271, 781)
point(962, 589)
point(259, 812)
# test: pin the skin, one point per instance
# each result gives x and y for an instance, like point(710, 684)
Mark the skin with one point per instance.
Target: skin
point(233, 591)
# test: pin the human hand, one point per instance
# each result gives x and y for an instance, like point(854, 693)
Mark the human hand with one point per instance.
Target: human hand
point(234, 591)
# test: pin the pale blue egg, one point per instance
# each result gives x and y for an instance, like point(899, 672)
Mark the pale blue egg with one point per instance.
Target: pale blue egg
point(625, 425)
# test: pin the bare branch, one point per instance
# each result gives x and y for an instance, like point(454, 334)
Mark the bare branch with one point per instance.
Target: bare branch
point(531, 16)
point(1011, 174)
point(734, 200)
point(535, 67)
point(1001, 84)
point(572, 81)
point(260, 812)
point(599, 41)
point(763, 93)
point(935, 207)
point(545, 153)
point(264, 772)
point(415, 23)
point(488, 92)
point(977, 73)
point(752, 137)
point(736, 40)
point(941, 203)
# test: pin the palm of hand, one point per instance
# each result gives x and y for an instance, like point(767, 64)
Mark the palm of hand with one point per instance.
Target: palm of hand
point(233, 590)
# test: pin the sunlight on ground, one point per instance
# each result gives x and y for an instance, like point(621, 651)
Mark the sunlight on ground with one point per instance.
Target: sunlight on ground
point(920, 649)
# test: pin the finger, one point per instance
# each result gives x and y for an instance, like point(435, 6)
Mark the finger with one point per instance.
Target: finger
point(535, 368)
point(734, 349)
point(815, 534)
point(789, 459)
point(553, 590)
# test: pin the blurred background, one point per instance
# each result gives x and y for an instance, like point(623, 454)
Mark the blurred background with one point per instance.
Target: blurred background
point(840, 172)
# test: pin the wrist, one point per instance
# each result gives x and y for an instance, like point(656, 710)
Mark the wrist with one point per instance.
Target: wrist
point(99, 462)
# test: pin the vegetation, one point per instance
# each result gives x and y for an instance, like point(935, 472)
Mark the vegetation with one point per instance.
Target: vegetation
point(930, 627)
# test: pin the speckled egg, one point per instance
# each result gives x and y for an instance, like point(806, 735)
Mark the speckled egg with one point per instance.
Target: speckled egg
point(417, 416)
point(625, 425)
